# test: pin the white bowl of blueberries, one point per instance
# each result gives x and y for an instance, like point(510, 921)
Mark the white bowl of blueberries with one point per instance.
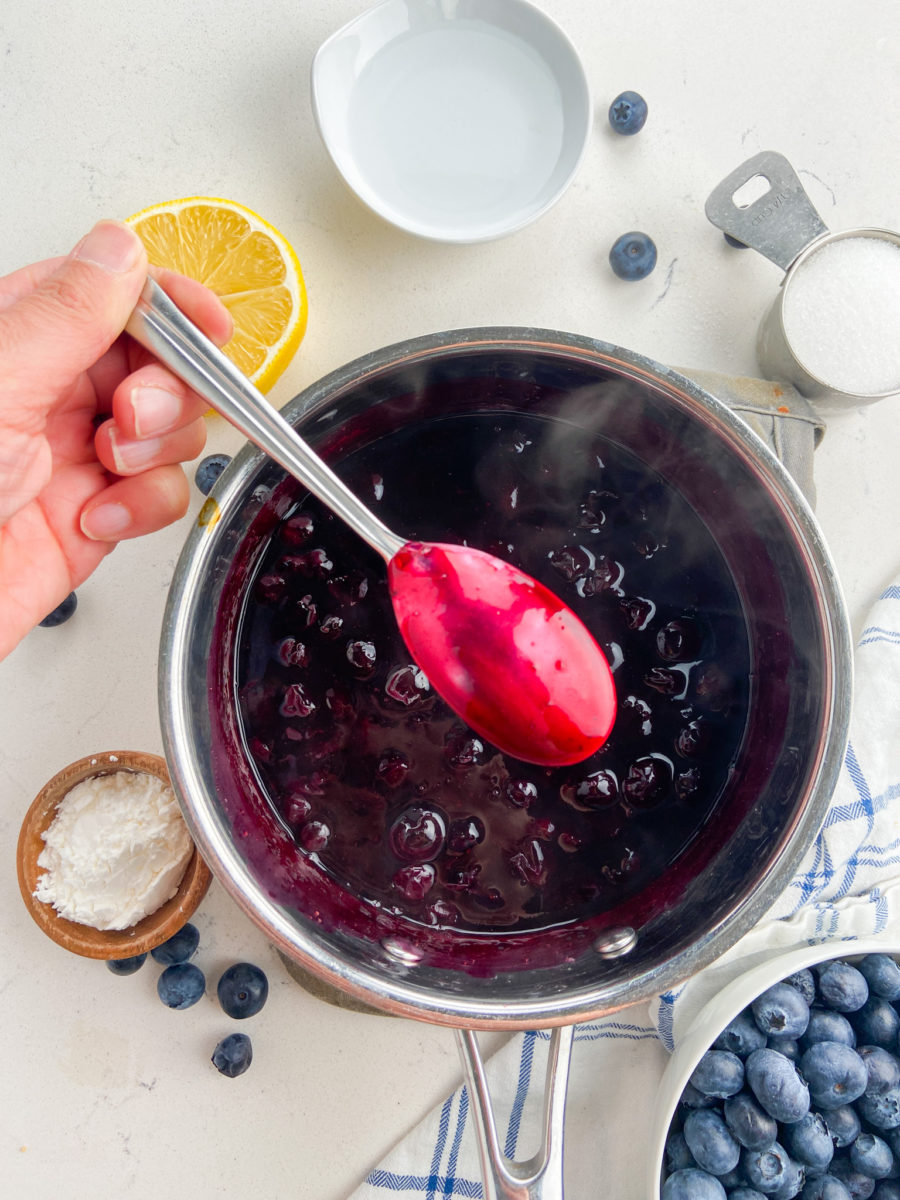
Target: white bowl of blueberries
point(788, 1084)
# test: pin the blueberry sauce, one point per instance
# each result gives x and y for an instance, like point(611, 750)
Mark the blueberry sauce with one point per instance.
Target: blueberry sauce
point(384, 790)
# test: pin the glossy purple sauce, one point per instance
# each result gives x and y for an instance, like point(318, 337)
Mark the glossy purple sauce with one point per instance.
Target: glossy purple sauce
point(382, 793)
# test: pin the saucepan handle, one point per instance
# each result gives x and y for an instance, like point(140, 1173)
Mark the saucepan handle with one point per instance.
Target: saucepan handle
point(539, 1177)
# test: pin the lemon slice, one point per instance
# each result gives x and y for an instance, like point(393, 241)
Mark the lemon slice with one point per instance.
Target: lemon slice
point(250, 266)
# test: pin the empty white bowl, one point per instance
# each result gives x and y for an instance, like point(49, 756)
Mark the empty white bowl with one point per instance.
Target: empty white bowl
point(719, 1012)
point(456, 120)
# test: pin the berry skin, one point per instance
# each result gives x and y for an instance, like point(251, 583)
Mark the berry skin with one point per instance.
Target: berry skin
point(208, 471)
point(633, 256)
point(628, 113)
point(233, 1055)
point(181, 985)
point(126, 966)
point(61, 613)
point(179, 947)
point(242, 990)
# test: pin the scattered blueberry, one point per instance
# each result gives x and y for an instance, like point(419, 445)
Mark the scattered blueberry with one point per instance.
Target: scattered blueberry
point(242, 990)
point(61, 613)
point(628, 113)
point(126, 966)
point(179, 947)
point(233, 1055)
point(633, 256)
point(181, 985)
point(208, 471)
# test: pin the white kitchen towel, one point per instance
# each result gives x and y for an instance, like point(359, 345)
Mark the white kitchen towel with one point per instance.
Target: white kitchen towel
point(847, 887)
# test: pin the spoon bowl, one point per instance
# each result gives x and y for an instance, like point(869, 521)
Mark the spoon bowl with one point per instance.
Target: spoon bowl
point(503, 651)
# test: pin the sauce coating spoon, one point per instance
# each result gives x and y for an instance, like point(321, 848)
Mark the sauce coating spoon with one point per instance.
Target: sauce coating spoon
point(503, 651)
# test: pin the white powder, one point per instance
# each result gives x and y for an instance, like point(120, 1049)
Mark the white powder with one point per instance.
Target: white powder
point(842, 315)
point(115, 851)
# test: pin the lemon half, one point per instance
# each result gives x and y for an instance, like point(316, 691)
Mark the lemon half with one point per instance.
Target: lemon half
point(250, 266)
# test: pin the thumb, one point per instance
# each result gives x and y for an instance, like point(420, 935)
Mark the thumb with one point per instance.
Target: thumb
point(60, 329)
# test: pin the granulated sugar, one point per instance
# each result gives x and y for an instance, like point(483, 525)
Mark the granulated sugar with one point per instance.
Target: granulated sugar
point(842, 315)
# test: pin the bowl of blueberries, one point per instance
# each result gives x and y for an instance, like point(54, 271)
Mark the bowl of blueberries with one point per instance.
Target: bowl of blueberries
point(787, 1083)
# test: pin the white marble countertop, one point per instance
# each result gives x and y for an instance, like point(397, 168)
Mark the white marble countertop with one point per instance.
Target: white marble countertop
point(106, 108)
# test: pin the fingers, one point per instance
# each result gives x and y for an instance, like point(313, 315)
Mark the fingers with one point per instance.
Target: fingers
point(125, 455)
point(131, 507)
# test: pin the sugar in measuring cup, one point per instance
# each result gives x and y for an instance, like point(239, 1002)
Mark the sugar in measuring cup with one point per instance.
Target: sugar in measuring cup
point(833, 330)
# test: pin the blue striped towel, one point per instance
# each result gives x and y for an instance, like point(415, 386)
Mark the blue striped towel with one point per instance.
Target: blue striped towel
point(848, 886)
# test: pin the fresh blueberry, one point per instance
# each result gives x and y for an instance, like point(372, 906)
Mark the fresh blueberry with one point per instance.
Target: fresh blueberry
point(181, 985)
point(745, 1193)
point(791, 1185)
point(881, 1110)
point(859, 1186)
point(628, 113)
point(887, 1189)
point(719, 1073)
point(882, 1067)
point(710, 1142)
point(633, 256)
point(61, 613)
point(777, 1085)
point(741, 1036)
point(126, 966)
point(692, 1184)
point(876, 1023)
point(827, 1026)
point(825, 1187)
point(804, 980)
point(842, 987)
point(242, 990)
point(871, 1155)
point(781, 1011)
point(233, 1055)
point(843, 1124)
point(692, 1098)
point(678, 1155)
point(882, 974)
point(179, 947)
point(767, 1170)
point(752, 1127)
point(835, 1074)
point(809, 1142)
point(208, 471)
point(787, 1046)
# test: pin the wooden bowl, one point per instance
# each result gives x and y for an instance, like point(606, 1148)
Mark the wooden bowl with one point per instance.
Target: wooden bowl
point(154, 929)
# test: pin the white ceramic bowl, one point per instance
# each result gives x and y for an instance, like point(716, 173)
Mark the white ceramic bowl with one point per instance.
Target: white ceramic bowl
point(719, 1012)
point(460, 121)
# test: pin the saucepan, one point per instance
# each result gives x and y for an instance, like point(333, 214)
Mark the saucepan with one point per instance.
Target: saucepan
point(786, 753)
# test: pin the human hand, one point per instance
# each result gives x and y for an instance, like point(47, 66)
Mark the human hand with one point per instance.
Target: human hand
point(92, 428)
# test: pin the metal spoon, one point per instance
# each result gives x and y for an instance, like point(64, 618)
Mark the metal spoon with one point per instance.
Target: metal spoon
point(504, 651)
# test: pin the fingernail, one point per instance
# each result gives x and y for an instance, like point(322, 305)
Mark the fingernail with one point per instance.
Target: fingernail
point(131, 456)
point(105, 522)
point(111, 246)
point(155, 410)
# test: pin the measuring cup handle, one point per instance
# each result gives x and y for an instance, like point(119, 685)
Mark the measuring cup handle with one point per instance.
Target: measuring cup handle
point(780, 223)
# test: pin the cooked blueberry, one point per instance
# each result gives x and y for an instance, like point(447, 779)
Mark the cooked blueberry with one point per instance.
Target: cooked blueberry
point(882, 1068)
point(693, 739)
point(61, 613)
point(126, 966)
point(242, 990)
point(710, 1141)
point(298, 530)
point(687, 783)
point(835, 1074)
point(332, 627)
point(881, 1110)
point(312, 564)
point(876, 1023)
point(179, 947)
point(418, 834)
point(464, 834)
point(572, 561)
point(296, 810)
point(597, 790)
point(296, 702)
point(361, 656)
point(521, 793)
point(463, 750)
point(636, 714)
point(768, 1170)
point(314, 836)
point(604, 576)
point(628, 113)
point(842, 987)
point(528, 863)
point(633, 256)
point(392, 768)
point(718, 1073)
point(741, 1035)
point(181, 985)
point(415, 881)
point(349, 589)
point(809, 1142)
point(882, 974)
point(233, 1055)
point(407, 685)
point(208, 471)
point(827, 1026)
point(781, 1010)
point(637, 611)
point(777, 1085)
point(692, 1184)
point(679, 640)
point(648, 781)
point(750, 1126)
point(871, 1155)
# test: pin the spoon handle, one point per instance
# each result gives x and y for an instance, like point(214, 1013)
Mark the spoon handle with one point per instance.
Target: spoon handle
point(159, 325)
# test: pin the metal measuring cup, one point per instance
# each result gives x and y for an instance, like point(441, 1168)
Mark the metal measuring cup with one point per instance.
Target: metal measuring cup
point(783, 225)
